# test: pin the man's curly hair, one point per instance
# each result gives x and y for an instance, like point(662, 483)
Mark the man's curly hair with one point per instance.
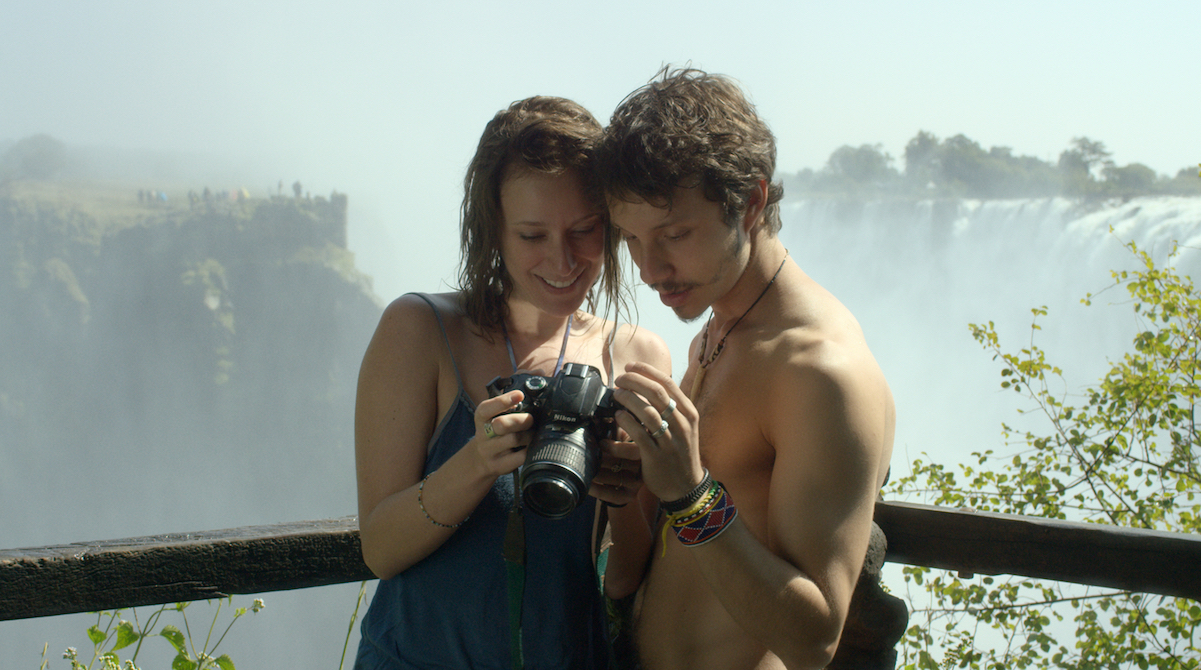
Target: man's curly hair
point(689, 128)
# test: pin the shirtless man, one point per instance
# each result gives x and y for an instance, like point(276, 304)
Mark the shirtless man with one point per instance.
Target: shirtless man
point(782, 402)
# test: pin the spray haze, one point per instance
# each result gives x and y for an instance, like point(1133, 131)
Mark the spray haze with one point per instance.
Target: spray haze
point(385, 102)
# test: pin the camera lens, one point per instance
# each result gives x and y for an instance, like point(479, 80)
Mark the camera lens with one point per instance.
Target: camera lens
point(558, 471)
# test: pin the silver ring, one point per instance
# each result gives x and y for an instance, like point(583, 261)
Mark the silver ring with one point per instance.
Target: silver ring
point(488, 430)
point(659, 433)
point(671, 407)
point(616, 467)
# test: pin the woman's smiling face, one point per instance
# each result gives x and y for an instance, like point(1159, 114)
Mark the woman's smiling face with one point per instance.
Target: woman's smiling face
point(552, 239)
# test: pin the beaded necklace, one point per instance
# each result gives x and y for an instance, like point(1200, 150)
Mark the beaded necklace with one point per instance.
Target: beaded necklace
point(721, 344)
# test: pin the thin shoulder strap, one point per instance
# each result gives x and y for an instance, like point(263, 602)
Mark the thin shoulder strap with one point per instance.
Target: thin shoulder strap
point(445, 338)
point(609, 346)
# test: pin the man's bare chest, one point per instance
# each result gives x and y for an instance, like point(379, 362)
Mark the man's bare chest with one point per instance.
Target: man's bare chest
point(733, 444)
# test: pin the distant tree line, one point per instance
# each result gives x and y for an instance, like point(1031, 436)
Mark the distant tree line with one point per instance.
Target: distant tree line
point(958, 167)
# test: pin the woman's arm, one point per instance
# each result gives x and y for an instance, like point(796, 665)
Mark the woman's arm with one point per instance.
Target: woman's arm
point(632, 525)
point(396, 411)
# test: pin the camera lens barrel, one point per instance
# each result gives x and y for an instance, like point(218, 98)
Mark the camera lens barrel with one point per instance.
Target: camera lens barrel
point(558, 470)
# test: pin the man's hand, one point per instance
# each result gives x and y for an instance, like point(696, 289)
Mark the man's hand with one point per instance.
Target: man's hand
point(664, 424)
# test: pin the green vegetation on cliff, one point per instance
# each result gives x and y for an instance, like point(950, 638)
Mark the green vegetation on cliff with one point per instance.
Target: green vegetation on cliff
point(958, 167)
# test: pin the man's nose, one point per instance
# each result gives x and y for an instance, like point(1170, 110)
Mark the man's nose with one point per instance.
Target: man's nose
point(652, 266)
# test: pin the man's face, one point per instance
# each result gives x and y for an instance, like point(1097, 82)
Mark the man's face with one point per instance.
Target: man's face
point(688, 254)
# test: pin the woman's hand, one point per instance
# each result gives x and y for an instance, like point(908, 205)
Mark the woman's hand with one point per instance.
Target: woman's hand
point(619, 474)
point(501, 436)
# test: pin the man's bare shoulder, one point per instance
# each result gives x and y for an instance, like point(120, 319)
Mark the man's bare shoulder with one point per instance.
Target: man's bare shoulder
point(828, 398)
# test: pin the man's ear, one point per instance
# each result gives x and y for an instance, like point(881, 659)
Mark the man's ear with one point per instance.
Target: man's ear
point(755, 204)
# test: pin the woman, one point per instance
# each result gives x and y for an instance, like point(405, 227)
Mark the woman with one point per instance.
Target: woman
point(435, 455)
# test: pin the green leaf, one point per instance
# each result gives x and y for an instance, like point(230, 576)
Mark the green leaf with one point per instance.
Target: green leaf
point(175, 637)
point(126, 635)
point(182, 662)
point(96, 635)
point(225, 663)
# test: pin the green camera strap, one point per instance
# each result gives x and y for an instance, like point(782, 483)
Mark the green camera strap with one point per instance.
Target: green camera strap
point(514, 545)
point(514, 554)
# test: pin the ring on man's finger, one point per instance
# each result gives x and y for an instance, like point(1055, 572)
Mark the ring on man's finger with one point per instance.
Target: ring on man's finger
point(659, 433)
point(671, 407)
point(489, 430)
point(616, 467)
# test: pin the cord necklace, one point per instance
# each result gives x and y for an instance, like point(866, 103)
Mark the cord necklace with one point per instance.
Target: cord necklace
point(721, 344)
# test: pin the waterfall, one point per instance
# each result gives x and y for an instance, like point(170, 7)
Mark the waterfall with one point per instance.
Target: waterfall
point(916, 274)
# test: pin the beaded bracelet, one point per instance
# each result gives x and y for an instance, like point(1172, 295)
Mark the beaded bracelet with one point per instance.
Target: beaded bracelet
point(702, 527)
point(421, 504)
point(690, 498)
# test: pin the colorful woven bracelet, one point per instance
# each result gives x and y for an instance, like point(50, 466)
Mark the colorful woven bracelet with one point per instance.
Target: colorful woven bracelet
point(421, 504)
point(699, 508)
point(704, 527)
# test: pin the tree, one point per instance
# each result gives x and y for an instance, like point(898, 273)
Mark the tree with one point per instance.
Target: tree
point(1133, 179)
point(863, 167)
point(921, 160)
point(34, 157)
point(1080, 163)
point(1124, 453)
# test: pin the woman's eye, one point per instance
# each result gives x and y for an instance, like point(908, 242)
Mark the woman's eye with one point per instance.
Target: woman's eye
point(585, 231)
point(531, 238)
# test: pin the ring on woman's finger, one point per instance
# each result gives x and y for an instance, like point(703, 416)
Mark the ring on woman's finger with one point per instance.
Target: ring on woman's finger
point(489, 430)
point(671, 407)
point(659, 433)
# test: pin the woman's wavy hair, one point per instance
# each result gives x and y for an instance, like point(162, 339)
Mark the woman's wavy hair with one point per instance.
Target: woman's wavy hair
point(538, 134)
point(689, 128)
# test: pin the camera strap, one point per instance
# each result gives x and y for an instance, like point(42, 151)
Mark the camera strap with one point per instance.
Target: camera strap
point(514, 554)
point(513, 549)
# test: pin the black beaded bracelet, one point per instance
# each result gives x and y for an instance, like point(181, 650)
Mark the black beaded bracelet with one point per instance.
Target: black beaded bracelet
point(675, 506)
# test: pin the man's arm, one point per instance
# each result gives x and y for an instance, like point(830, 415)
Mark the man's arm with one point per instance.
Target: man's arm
point(791, 587)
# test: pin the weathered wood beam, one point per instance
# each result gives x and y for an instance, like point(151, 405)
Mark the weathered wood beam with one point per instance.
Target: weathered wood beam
point(111, 574)
point(1083, 553)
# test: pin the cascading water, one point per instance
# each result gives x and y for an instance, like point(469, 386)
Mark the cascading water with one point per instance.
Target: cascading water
point(914, 273)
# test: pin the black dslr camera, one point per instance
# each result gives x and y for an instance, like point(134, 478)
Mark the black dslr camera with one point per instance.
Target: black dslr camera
point(572, 411)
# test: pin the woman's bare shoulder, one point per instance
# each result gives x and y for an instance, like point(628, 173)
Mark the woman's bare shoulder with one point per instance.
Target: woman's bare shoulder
point(636, 343)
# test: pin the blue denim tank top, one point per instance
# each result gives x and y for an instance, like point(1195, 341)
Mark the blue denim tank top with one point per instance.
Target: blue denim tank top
point(450, 610)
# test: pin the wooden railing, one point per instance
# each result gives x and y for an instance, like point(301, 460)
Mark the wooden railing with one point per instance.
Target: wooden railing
point(106, 575)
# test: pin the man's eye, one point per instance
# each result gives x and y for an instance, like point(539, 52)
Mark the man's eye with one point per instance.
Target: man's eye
point(677, 236)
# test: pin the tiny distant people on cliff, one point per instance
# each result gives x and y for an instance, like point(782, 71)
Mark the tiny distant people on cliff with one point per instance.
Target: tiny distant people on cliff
point(150, 196)
point(470, 578)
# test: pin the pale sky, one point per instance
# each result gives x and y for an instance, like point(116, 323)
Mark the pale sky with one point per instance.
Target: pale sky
point(385, 101)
